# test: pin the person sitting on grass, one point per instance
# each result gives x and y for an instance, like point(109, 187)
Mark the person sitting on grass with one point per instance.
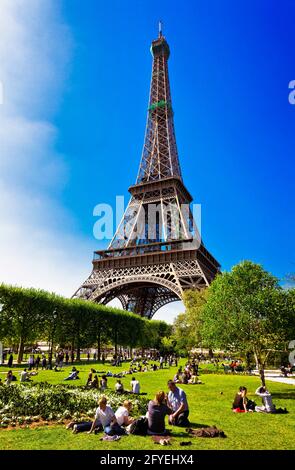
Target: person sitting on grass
point(103, 383)
point(119, 388)
point(185, 377)
point(194, 380)
point(241, 403)
point(94, 383)
point(135, 386)
point(267, 404)
point(73, 375)
point(157, 410)
point(24, 376)
point(122, 414)
point(177, 377)
point(106, 418)
point(90, 378)
point(9, 377)
point(177, 401)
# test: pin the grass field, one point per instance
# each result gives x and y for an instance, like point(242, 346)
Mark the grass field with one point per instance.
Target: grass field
point(208, 406)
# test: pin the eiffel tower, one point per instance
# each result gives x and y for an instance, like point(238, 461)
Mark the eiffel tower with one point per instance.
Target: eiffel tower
point(156, 252)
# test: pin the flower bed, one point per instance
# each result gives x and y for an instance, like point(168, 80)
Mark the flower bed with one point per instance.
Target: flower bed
point(24, 404)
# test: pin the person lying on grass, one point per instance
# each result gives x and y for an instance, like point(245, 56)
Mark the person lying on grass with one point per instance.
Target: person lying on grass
point(73, 375)
point(177, 401)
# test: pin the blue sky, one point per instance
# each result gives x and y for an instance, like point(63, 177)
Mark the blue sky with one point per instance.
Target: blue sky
point(230, 66)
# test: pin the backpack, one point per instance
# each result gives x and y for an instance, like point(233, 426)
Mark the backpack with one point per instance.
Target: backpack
point(139, 426)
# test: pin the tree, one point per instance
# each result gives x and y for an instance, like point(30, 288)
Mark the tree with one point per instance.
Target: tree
point(27, 315)
point(23, 314)
point(187, 326)
point(247, 310)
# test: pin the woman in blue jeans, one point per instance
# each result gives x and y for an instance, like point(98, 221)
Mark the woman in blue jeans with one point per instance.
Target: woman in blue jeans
point(104, 419)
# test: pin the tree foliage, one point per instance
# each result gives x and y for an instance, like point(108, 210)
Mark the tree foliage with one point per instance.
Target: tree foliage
point(247, 310)
point(187, 326)
point(27, 315)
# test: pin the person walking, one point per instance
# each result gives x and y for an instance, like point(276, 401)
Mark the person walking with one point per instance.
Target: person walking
point(10, 361)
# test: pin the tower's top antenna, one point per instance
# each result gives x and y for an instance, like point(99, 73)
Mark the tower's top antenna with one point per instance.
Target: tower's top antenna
point(160, 29)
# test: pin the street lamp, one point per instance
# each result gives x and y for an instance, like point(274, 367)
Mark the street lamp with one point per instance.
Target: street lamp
point(54, 316)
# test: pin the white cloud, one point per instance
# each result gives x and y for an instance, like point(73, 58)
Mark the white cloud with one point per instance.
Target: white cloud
point(167, 313)
point(38, 246)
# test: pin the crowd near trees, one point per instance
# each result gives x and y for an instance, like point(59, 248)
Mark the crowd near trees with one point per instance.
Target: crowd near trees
point(245, 311)
point(30, 315)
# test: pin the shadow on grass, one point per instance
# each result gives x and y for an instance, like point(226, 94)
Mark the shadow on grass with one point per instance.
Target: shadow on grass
point(181, 432)
point(286, 395)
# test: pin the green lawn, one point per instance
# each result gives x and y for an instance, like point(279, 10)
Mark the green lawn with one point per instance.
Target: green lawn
point(208, 406)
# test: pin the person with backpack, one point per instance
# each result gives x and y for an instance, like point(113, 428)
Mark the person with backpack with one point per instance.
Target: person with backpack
point(241, 402)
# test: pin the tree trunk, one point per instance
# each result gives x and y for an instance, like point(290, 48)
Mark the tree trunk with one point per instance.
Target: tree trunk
point(78, 348)
point(78, 342)
point(248, 360)
point(116, 343)
point(20, 351)
point(98, 347)
point(260, 367)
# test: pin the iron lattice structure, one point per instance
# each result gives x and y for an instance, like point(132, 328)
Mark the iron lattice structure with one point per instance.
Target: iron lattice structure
point(156, 252)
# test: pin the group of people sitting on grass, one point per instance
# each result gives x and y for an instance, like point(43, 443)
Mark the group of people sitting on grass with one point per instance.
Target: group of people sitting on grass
point(242, 404)
point(174, 405)
point(189, 375)
point(25, 376)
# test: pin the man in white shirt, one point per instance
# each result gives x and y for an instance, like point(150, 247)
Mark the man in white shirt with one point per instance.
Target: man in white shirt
point(104, 415)
point(24, 376)
point(135, 387)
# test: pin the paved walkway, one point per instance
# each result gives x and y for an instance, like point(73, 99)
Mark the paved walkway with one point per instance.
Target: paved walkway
point(275, 376)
